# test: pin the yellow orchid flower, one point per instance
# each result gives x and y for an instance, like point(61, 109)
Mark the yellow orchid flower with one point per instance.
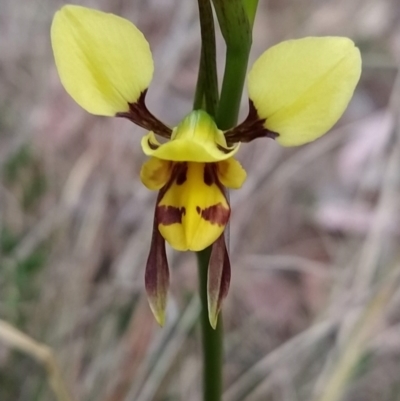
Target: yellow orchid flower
point(297, 90)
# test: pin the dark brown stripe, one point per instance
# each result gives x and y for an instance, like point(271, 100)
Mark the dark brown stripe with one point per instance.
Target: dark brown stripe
point(209, 174)
point(168, 215)
point(181, 175)
point(216, 214)
point(140, 115)
point(251, 128)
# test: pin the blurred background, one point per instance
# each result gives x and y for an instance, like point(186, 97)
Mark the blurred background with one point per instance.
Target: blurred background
point(313, 309)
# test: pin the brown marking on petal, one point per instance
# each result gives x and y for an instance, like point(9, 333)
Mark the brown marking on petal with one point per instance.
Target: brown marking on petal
point(175, 171)
point(209, 174)
point(251, 128)
point(216, 214)
point(140, 115)
point(198, 209)
point(168, 215)
point(181, 175)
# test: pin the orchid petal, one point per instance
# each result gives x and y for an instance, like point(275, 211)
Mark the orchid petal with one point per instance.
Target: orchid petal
point(155, 173)
point(103, 60)
point(231, 174)
point(302, 87)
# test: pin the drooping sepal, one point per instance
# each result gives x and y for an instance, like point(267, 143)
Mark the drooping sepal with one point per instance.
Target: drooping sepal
point(219, 277)
point(300, 88)
point(157, 276)
point(104, 61)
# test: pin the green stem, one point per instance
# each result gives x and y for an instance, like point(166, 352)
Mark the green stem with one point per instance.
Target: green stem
point(236, 19)
point(250, 7)
point(226, 113)
point(206, 97)
point(232, 86)
point(212, 339)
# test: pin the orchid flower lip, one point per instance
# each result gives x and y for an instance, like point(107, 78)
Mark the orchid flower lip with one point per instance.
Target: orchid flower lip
point(193, 191)
point(192, 210)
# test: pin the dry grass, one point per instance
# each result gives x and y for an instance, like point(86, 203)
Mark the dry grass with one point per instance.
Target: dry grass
point(312, 313)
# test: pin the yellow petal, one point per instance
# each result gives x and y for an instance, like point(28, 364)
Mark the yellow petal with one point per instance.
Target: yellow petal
point(193, 212)
point(195, 139)
point(155, 173)
point(103, 60)
point(231, 174)
point(303, 86)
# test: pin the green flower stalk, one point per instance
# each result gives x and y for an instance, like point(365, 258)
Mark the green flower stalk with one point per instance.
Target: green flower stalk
point(297, 90)
point(236, 29)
